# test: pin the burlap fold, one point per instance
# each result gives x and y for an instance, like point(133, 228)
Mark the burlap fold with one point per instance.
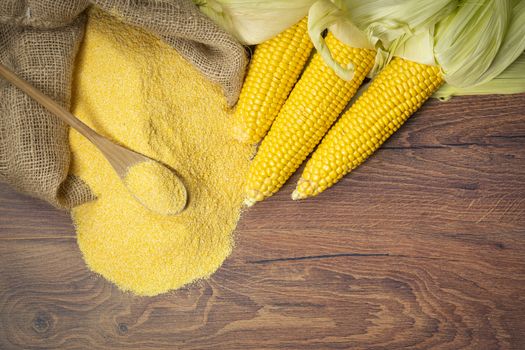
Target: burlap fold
point(39, 40)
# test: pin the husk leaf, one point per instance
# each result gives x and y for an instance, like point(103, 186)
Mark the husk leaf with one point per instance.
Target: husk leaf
point(510, 81)
point(254, 21)
point(387, 26)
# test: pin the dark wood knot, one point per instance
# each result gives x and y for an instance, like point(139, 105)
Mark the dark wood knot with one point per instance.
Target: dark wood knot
point(42, 322)
point(122, 328)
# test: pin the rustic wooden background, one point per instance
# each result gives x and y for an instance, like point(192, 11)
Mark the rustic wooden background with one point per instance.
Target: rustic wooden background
point(422, 247)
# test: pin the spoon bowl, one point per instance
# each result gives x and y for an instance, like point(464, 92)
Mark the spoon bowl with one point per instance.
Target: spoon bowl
point(121, 159)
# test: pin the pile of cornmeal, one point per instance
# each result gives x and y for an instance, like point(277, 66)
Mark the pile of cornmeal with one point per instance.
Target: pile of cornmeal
point(135, 89)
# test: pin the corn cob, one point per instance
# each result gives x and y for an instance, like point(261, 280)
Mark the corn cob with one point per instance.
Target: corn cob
point(275, 67)
point(392, 97)
point(314, 104)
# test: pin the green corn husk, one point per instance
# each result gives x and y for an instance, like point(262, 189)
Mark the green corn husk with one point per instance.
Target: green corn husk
point(475, 42)
point(480, 40)
point(510, 81)
point(383, 25)
point(254, 21)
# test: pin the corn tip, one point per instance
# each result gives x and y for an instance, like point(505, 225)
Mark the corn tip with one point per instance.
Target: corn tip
point(248, 202)
point(240, 134)
point(296, 195)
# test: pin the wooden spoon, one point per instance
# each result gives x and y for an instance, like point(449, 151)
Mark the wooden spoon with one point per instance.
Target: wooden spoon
point(120, 158)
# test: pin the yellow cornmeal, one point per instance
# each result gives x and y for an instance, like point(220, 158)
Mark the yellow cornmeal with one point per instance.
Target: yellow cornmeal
point(156, 187)
point(138, 91)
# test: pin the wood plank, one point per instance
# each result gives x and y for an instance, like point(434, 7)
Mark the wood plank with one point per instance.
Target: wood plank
point(421, 247)
point(21, 214)
point(364, 301)
point(464, 121)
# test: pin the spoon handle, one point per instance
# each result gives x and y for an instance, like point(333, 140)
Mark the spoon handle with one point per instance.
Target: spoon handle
point(48, 103)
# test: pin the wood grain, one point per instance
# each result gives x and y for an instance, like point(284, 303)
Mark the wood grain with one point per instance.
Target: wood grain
point(419, 248)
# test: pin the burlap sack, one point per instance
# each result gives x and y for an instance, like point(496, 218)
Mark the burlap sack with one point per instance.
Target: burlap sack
point(39, 40)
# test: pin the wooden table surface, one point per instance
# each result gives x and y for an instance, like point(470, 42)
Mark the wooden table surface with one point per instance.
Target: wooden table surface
point(421, 248)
